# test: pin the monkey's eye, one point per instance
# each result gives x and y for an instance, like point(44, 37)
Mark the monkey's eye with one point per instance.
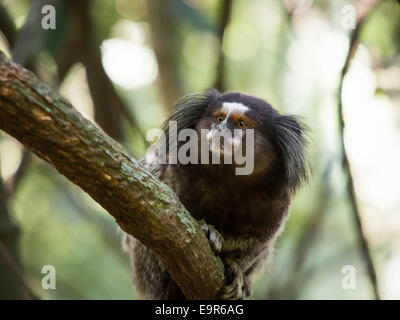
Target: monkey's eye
point(220, 118)
point(241, 124)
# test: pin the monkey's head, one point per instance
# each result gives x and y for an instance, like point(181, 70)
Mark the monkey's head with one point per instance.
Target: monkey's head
point(234, 125)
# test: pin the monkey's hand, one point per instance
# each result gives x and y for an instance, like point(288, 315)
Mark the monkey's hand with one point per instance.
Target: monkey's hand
point(216, 239)
point(237, 286)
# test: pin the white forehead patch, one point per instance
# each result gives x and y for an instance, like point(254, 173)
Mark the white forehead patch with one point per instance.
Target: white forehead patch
point(233, 107)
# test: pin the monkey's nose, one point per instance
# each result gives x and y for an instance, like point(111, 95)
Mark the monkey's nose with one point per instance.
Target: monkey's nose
point(222, 127)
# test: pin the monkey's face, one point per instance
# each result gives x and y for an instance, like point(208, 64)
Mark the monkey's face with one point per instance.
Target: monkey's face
point(244, 130)
point(235, 130)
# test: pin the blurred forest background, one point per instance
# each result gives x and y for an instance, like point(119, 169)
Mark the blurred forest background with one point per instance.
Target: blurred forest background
point(123, 63)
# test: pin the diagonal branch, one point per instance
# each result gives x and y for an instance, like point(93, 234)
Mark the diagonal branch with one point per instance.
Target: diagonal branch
point(144, 207)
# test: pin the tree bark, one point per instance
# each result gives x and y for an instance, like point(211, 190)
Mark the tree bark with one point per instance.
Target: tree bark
point(144, 207)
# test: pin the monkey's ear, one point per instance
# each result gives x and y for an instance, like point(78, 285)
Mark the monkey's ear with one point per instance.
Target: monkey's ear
point(290, 135)
point(190, 109)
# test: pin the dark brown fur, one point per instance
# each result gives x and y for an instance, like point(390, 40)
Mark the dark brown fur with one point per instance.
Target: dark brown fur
point(247, 212)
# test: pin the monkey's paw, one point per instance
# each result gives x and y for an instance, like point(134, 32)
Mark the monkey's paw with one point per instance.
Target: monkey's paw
point(216, 240)
point(237, 286)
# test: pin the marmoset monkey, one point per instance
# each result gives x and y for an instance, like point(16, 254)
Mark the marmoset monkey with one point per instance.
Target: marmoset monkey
point(242, 214)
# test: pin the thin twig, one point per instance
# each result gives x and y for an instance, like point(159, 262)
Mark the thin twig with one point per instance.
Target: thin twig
point(365, 250)
point(16, 270)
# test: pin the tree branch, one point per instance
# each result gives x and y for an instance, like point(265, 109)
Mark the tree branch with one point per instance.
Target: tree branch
point(144, 207)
